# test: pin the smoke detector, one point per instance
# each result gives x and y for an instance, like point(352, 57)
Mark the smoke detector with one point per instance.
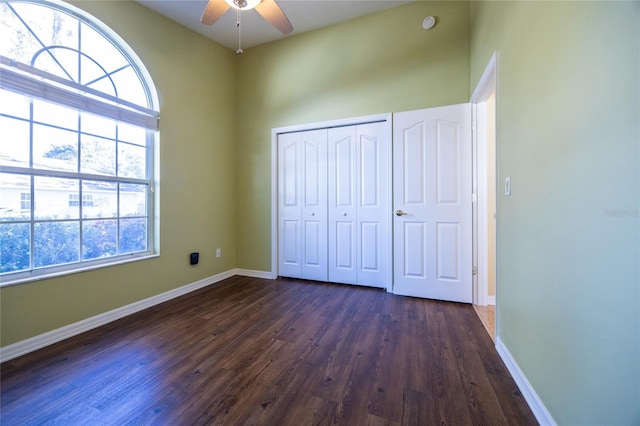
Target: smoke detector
point(428, 23)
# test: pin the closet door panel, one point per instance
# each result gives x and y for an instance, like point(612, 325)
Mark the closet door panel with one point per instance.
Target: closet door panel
point(372, 207)
point(289, 205)
point(334, 212)
point(342, 205)
point(314, 206)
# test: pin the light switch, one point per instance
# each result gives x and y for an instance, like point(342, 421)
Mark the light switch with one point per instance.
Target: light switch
point(507, 186)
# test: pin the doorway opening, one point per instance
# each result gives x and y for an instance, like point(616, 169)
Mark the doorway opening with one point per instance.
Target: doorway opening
point(484, 101)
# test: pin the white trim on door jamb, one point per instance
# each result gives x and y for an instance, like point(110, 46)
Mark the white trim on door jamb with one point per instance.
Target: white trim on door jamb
point(486, 85)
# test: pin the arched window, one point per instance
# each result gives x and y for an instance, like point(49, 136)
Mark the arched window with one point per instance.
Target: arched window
point(78, 125)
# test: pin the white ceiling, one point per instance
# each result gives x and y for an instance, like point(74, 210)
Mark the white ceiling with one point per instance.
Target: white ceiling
point(305, 15)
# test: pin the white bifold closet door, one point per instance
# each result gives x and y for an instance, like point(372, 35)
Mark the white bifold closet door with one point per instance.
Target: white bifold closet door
point(358, 174)
point(302, 204)
point(333, 205)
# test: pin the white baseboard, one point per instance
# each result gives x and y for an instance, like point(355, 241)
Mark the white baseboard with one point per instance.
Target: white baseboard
point(37, 342)
point(535, 403)
point(491, 300)
point(255, 274)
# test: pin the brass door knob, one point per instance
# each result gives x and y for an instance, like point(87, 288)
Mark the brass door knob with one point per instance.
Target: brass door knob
point(400, 213)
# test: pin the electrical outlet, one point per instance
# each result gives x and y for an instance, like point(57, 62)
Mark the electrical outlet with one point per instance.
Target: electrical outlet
point(218, 252)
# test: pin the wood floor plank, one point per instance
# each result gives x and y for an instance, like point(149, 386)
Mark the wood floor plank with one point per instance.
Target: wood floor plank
point(263, 352)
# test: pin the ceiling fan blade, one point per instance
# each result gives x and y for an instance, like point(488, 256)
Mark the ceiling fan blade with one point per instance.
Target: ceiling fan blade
point(270, 11)
point(214, 10)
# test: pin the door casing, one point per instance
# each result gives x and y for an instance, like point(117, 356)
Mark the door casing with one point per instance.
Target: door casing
point(485, 88)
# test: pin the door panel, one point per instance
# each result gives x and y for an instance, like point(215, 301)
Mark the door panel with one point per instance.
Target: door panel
point(448, 162)
point(290, 256)
point(302, 210)
point(372, 152)
point(414, 242)
point(359, 229)
point(448, 251)
point(342, 205)
point(290, 206)
point(370, 241)
point(344, 250)
point(413, 170)
point(369, 171)
point(314, 208)
point(432, 189)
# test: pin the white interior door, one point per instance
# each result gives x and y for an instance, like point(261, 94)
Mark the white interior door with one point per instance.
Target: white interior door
point(432, 201)
point(359, 226)
point(302, 209)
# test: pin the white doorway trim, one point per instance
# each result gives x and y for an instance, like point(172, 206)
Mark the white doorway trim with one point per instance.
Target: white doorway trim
point(487, 86)
point(387, 118)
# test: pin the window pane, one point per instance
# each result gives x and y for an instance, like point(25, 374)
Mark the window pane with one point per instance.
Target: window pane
point(13, 190)
point(99, 238)
point(129, 86)
point(133, 235)
point(14, 104)
point(105, 199)
point(132, 134)
point(133, 200)
point(132, 161)
point(14, 148)
point(55, 149)
point(48, 113)
point(14, 247)
point(97, 125)
point(55, 243)
point(59, 61)
point(16, 41)
point(9, 25)
point(52, 28)
point(98, 155)
point(93, 76)
point(54, 198)
point(95, 46)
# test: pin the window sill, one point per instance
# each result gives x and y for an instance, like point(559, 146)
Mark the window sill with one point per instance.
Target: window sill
point(43, 274)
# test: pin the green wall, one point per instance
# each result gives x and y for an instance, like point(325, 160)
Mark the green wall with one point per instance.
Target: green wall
point(380, 63)
point(196, 82)
point(568, 238)
point(568, 135)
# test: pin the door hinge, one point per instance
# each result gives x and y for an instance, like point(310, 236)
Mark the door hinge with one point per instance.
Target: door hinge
point(474, 198)
point(474, 271)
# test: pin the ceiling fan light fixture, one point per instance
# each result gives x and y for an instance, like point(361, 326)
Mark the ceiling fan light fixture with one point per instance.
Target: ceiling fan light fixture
point(243, 4)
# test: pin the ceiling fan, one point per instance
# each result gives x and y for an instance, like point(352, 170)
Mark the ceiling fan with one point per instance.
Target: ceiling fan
point(268, 9)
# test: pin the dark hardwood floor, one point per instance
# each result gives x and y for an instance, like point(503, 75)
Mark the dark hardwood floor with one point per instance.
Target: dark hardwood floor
point(249, 351)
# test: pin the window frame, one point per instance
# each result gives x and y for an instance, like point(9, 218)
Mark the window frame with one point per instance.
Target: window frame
point(67, 92)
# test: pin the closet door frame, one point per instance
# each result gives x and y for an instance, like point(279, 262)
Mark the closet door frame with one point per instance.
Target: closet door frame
point(386, 118)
